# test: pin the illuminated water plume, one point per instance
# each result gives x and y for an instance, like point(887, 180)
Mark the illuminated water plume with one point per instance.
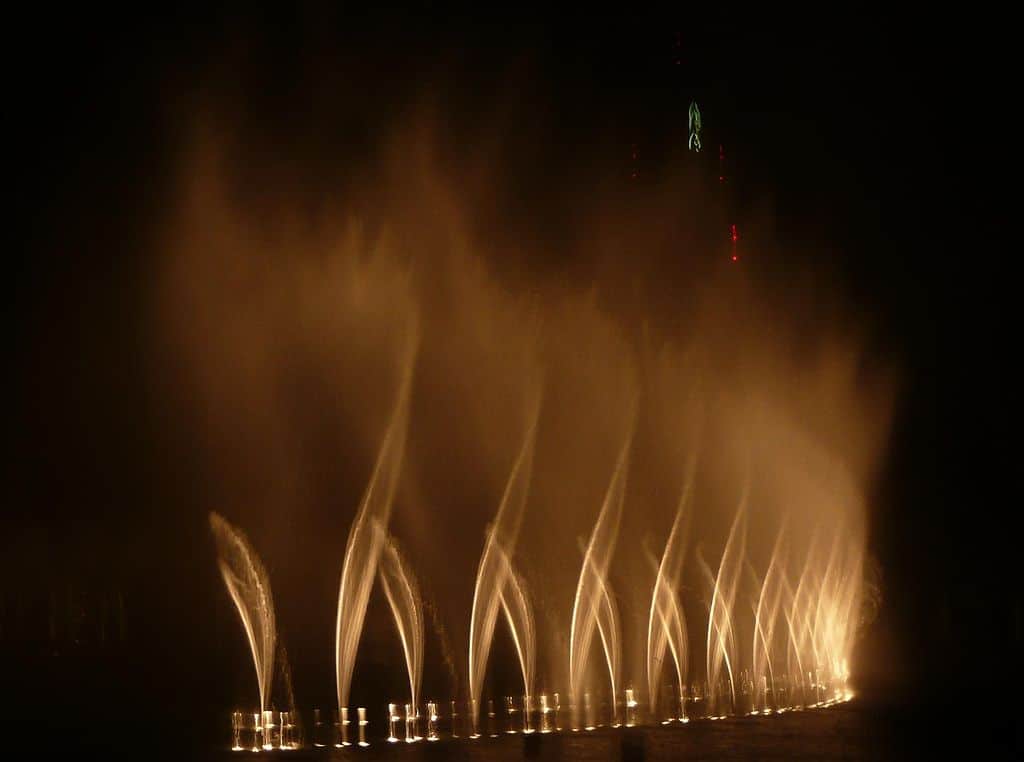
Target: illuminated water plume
point(519, 615)
point(493, 577)
point(766, 615)
point(404, 599)
point(592, 602)
point(249, 587)
point(721, 635)
point(666, 625)
point(363, 550)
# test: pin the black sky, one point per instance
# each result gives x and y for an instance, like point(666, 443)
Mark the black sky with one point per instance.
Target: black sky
point(876, 141)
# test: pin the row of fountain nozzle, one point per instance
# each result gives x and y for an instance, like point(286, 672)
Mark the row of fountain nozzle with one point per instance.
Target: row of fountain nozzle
point(267, 730)
point(278, 730)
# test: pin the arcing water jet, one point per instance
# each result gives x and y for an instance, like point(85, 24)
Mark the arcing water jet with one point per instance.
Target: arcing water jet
point(592, 600)
point(766, 614)
point(666, 623)
point(721, 637)
point(519, 615)
point(493, 576)
point(249, 587)
point(406, 606)
point(362, 552)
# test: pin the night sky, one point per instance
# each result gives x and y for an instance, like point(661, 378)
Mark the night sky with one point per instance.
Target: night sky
point(871, 145)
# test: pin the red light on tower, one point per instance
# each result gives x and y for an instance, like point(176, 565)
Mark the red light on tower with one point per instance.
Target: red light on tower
point(735, 236)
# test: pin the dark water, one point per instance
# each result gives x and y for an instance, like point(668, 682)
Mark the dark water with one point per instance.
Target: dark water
point(848, 732)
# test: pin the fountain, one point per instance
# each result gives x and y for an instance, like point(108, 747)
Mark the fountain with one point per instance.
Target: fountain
point(394, 720)
point(631, 705)
point(365, 541)
point(411, 721)
point(343, 725)
point(593, 603)
point(510, 710)
point(432, 718)
point(492, 719)
point(519, 616)
point(454, 720)
point(363, 722)
point(257, 731)
point(249, 587)
point(406, 606)
point(545, 714)
point(321, 730)
point(493, 576)
point(666, 624)
point(765, 619)
point(237, 729)
point(800, 640)
point(721, 636)
point(271, 730)
point(608, 629)
point(280, 332)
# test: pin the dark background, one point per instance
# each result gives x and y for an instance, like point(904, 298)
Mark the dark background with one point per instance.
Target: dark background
point(882, 143)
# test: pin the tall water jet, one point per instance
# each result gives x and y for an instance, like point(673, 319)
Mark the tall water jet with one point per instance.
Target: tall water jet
point(404, 599)
point(838, 598)
point(666, 627)
point(495, 570)
point(362, 552)
point(794, 664)
point(591, 592)
point(822, 619)
point(519, 615)
point(666, 623)
point(249, 587)
point(766, 614)
point(609, 631)
point(721, 636)
point(800, 625)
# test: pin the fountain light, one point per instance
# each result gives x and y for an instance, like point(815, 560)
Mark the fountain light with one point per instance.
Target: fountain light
point(630, 708)
point(527, 714)
point(510, 708)
point(393, 723)
point(343, 712)
point(363, 722)
point(492, 722)
point(270, 730)
point(237, 725)
point(257, 728)
point(474, 715)
point(319, 730)
point(287, 728)
point(545, 714)
point(588, 712)
point(432, 721)
point(412, 717)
